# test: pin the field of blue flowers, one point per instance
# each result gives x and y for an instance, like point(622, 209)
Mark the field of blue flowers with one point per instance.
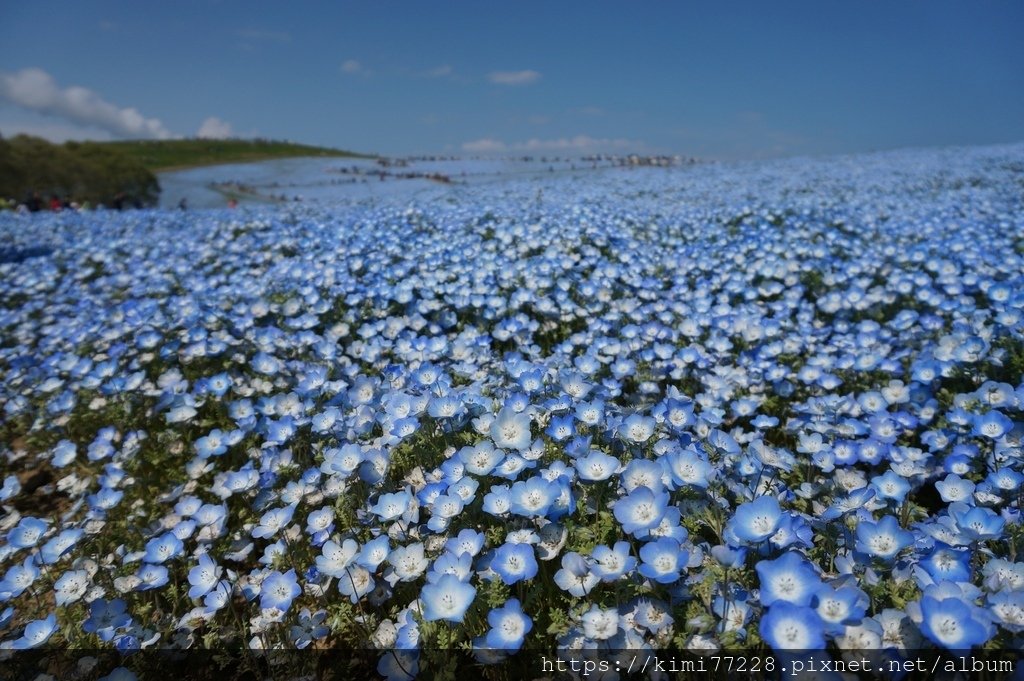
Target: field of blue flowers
point(749, 407)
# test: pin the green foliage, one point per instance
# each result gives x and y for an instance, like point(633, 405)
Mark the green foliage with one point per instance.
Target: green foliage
point(91, 172)
point(166, 154)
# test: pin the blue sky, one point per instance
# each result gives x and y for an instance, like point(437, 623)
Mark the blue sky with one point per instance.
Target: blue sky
point(716, 80)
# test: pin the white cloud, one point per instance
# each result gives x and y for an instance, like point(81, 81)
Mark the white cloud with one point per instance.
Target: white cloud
point(352, 66)
point(35, 90)
point(513, 77)
point(484, 146)
point(579, 143)
point(214, 128)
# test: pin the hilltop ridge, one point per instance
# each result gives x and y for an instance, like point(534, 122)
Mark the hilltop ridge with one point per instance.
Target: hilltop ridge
point(163, 155)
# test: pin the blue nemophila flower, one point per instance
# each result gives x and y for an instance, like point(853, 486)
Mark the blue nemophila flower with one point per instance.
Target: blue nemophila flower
point(533, 497)
point(561, 427)
point(319, 524)
point(590, 413)
point(612, 563)
point(789, 578)
point(448, 563)
point(182, 410)
point(663, 560)
point(954, 488)
point(793, 531)
point(852, 503)
point(210, 515)
point(596, 466)
point(687, 468)
point(445, 407)
point(273, 521)
point(883, 539)
point(600, 624)
point(640, 511)
point(481, 459)
point(431, 491)
point(392, 506)
point(106, 617)
point(729, 556)
point(565, 499)
point(514, 562)
point(953, 624)
point(734, 612)
point(310, 628)
point(100, 449)
point(757, 520)
point(787, 626)
point(976, 523)
point(1005, 480)
point(947, 564)
point(336, 557)
point(10, 488)
point(278, 590)
point(839, 608)
point(64, 453)
point(203, 577)
point(404, 427)
point(443, 509)
point(70, 587)
point(446, 599)
point(468, 542)
point(509, 626)
point(163, 548)
point(343, 461)
point(18, 578)
point(324, 421)
point(498, 500)
point(127, 644)
point(575, 576)
point(992, 425)
point(36, 633)
point(27, 533)
point(652, 615)
point(213, 443)
point(642, 473)
point(151, 577)
point(511, 430)
point(374, 552)
point(356, 582)
point(1007, 608)
point(184, 529)
point(637, 429)
point(407, 562)
point(891, 486)
point(218, 597)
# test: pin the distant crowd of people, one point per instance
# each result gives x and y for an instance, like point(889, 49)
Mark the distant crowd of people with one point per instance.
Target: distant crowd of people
point(35, 203)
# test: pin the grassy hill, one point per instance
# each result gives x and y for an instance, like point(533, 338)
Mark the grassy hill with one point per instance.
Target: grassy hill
point(157, 155)
point(34, 170)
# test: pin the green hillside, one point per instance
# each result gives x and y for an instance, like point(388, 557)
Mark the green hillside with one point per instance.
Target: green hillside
point(157, 155)
point(92, 172)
